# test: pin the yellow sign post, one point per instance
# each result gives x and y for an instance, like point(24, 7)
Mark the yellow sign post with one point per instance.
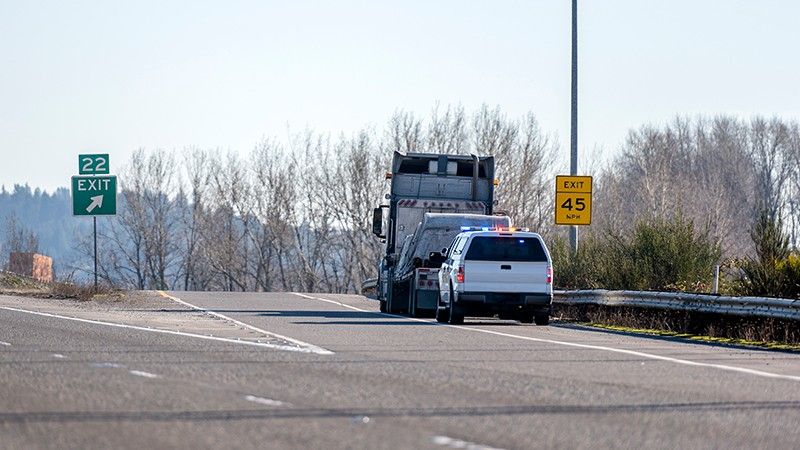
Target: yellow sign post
point(573, 200)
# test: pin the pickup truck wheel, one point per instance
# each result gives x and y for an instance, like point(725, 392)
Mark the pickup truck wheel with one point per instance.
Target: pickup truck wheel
point(442, 314)
point(456, 315)
point(525, 318)
point(542, 318)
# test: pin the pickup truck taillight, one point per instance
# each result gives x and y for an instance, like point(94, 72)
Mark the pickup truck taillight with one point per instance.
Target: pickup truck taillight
point(549, 278)
point(460, 274)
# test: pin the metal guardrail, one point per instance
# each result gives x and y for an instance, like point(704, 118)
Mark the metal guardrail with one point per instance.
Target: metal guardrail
point(781, 308)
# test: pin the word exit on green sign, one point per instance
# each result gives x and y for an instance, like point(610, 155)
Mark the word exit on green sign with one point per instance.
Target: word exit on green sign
point(94, 196)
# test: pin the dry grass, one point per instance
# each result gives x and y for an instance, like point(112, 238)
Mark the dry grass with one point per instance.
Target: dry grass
point(759, 331)
point(12, 281)
point(82, 292)
point(14, 284)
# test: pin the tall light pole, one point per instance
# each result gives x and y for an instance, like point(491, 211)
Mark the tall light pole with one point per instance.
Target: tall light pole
point(573, 166)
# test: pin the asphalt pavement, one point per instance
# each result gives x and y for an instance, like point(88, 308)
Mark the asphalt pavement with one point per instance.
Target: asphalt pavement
point(330, 371)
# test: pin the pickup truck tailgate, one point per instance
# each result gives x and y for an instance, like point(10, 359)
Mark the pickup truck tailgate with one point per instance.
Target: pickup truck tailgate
point(506, 263)
point(510, 276)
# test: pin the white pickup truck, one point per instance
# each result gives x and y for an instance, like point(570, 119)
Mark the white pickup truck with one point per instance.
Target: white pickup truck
point(502, 272)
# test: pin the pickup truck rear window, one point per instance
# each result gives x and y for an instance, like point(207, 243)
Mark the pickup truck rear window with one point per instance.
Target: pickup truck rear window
point(502, 248)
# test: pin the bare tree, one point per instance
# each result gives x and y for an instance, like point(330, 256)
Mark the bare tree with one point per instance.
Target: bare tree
point(447, 131)
point(404, 133)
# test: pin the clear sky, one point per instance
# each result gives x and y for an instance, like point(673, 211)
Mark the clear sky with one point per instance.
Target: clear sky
point(106, 76)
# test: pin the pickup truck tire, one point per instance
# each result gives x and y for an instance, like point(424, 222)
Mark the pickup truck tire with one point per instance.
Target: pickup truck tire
point(542, 318)
point(455, 315)
point(525, 318)
point(442, 315)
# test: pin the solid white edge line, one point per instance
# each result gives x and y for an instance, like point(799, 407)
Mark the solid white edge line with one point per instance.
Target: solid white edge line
point(141, 373)
point(316, 349)
point(175, 333)
point(685, 362)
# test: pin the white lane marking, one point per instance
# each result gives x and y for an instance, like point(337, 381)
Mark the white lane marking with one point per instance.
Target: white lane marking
point(58, 356)
point(140, 373)
point(685, 362)
point(311, 348)
point(445, 441)
point(264, 401)
point(287, 348)
point(103, 365)
point(5, 344)
point(350, 307)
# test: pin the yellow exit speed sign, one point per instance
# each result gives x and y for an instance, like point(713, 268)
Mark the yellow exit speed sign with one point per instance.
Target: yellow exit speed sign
point(573, 200)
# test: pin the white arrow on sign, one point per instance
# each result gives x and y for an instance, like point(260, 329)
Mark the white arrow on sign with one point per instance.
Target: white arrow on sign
point(97, 202)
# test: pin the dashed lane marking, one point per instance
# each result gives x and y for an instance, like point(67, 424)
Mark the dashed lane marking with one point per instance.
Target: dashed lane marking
point(287, 348)
point(445, 441)
point(140, 373)
point(5, 344)
point(309, 348)
point(264, 401)
point(103, 365)
point(759, 373)
point(58, 356)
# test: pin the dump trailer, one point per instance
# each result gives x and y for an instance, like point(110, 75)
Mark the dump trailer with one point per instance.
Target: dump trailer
point(422, 183)
point(421, 256)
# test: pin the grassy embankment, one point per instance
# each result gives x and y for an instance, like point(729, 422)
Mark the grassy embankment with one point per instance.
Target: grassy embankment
point(13, 284)
point(759, 332)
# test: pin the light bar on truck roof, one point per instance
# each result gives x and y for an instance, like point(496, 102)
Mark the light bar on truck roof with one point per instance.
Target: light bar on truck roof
point(494, 229)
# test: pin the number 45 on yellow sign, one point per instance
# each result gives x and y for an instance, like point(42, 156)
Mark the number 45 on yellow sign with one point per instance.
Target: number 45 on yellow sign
point(573, 200)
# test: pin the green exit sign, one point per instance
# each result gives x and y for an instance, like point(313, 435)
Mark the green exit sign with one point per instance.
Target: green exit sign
point(94, 196)
point(94, 164)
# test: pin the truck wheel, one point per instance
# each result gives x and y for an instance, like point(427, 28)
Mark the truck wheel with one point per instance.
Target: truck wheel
point(383, 306)
point(542, 318)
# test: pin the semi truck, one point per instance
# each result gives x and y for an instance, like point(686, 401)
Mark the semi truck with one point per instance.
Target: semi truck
point(421, 183)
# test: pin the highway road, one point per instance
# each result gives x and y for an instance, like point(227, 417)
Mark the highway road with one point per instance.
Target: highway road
point(284, 370)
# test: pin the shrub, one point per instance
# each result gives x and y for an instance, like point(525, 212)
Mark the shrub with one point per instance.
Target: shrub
point(576, 271)
point(663, 255)
point(775, 272)
point(655, 255)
